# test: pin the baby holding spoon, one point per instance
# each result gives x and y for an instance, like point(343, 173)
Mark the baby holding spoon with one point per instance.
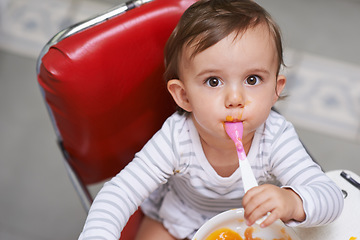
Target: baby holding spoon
point(223, 59)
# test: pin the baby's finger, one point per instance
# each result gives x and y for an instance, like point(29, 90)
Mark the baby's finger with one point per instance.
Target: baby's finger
point(269, 219)
point(252, 200)
point(259, 212)
point(252, 193)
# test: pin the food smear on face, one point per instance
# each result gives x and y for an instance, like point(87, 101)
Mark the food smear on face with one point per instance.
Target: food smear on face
point(229, 118)
point(228, 234)
point(239, 115)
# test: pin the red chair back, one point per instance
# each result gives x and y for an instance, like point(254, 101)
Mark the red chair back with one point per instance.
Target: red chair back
point(104, 88)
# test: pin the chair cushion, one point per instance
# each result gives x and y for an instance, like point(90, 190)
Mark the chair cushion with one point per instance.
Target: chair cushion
point(105, 90)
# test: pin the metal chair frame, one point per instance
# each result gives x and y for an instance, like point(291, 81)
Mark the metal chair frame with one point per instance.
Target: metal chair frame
point(82, 190)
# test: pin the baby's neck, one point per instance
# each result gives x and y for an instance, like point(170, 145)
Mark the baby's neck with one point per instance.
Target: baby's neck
point(223, 160)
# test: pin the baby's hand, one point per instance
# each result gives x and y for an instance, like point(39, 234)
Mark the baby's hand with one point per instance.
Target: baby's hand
point(282, 203)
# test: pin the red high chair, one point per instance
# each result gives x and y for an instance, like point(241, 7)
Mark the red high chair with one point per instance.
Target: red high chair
point(101, 80)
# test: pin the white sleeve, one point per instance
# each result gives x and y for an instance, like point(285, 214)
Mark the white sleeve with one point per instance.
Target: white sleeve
point(294, 168)
point(121, 196)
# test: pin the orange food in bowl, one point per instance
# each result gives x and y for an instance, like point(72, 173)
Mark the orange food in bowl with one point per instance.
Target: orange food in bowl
point(228, 234)
point(248, 234)
point(224, 234)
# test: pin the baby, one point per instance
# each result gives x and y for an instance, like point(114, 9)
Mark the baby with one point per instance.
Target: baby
point(222, 60)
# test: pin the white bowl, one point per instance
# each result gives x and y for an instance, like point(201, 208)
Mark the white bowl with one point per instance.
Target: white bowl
point(234, 220)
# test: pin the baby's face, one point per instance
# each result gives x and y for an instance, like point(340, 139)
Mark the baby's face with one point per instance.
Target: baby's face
point(235, 77)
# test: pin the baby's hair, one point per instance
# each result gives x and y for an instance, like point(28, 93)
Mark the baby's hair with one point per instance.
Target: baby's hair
point(207, 22)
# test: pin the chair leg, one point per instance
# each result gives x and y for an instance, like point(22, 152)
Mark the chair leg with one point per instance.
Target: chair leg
point(82, 190)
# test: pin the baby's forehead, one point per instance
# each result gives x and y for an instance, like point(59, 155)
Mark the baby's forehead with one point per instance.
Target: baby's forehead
point(203, 41)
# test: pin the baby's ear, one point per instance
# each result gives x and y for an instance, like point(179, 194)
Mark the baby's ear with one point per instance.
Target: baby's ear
point(280, 85)
point(178, 92)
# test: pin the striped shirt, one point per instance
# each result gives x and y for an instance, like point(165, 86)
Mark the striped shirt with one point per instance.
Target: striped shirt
point(176, 185)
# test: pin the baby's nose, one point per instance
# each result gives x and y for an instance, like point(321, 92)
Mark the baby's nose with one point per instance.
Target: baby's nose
point(234, 99)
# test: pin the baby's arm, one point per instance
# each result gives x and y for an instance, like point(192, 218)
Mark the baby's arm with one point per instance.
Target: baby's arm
point(322, 199)
point(283, 203)
point(304, 184)
point(118, 200)
point(121, 196)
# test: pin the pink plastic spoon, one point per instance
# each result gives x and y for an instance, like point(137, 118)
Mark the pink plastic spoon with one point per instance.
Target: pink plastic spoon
point(235, 132)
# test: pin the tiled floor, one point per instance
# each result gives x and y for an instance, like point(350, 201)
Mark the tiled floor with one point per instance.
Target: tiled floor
point(37, 200)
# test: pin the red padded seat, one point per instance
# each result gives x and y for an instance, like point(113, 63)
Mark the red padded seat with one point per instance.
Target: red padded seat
point(105, 91)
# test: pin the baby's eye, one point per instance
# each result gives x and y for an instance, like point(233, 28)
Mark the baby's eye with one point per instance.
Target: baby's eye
point(213, 82)
point(253, 80)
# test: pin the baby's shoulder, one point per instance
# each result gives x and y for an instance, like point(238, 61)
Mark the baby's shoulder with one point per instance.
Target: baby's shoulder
point(276, 125)
point(176, 125)
point(176, 121)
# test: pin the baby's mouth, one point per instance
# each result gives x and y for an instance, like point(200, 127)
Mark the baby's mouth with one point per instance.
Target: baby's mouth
point(232, 119)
